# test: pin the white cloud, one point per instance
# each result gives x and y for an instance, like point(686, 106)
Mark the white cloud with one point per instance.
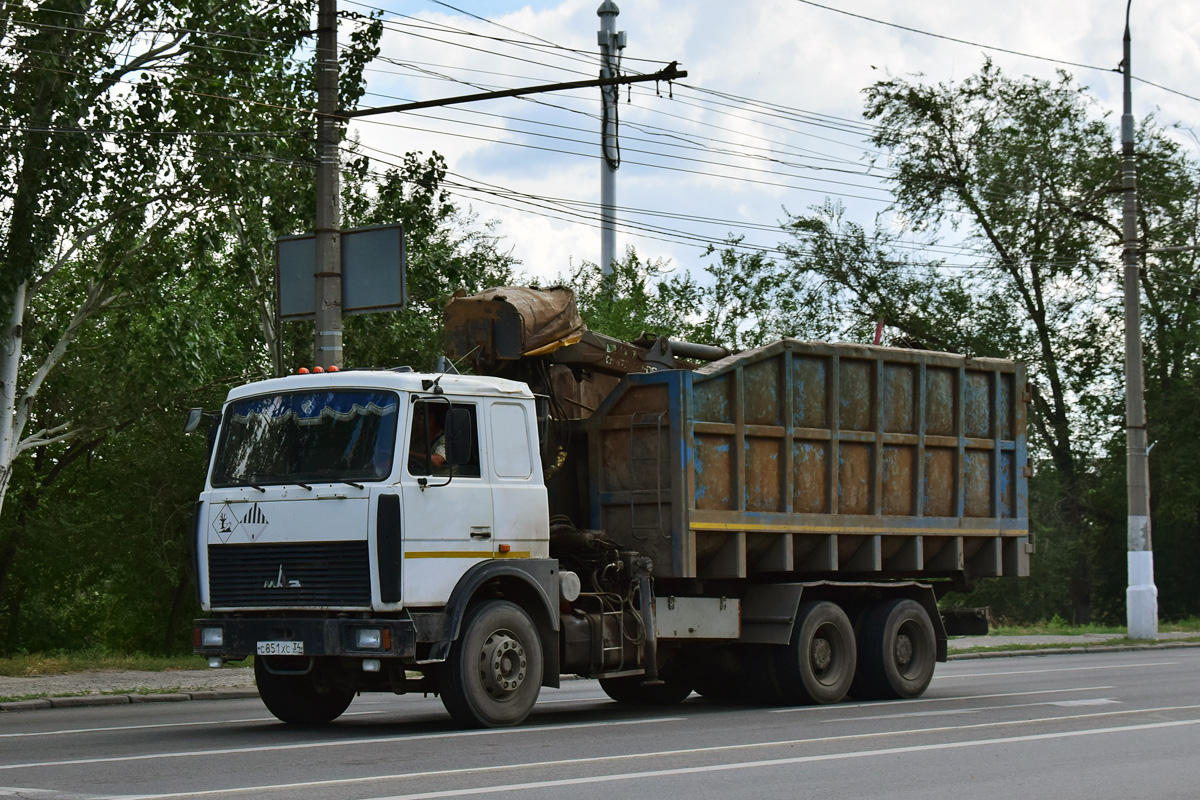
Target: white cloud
point(783, 52)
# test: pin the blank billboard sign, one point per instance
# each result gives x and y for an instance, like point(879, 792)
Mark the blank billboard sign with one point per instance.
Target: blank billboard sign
point(372, 272)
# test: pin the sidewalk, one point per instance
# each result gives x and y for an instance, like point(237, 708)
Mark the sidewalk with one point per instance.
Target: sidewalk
point(124, 687)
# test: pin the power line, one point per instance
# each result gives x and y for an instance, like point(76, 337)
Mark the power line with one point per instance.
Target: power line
point(994, 47)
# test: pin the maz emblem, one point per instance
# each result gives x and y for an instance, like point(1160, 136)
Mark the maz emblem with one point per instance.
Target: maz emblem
point(281, 582)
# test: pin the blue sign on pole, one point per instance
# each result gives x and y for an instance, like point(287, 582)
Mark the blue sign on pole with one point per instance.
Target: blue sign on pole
point(372, 272)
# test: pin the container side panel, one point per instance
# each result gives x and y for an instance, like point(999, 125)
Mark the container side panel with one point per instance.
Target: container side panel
point(764, 392)
point(1005, 411)
point(856, 395)
point(614, 454)
point(712, 399)
point(809, 387)
point(939, 482)
point(978, 480)
point(714, 472)
point(977, 421)
point(899, 469)
point(639, 399)
point(764, 474)
point(939, 401)
point(899, 388)
point(810, 473)
point(1008, 484)
point(854, 478)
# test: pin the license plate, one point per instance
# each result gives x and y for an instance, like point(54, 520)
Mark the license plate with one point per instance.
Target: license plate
point(281, 648)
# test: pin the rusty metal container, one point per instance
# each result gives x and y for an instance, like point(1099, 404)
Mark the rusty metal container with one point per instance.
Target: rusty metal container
point(817, 461)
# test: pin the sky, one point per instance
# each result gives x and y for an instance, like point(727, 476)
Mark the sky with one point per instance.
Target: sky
point(767, 122)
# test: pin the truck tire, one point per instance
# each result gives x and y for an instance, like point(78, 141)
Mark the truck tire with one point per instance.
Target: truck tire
point(295, 699)
point(897, 651)
point(494, 673)
point(631, 689)
point(817, 667)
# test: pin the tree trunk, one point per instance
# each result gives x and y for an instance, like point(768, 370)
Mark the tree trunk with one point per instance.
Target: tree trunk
point(178, 606)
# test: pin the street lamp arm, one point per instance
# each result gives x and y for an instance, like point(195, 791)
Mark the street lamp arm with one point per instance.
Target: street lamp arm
point(669, 73)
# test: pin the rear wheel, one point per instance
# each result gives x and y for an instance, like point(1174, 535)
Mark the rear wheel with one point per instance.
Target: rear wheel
point(632, 689)
point(296, 699)
point(817, 666)
point(494, 673)
point(897, 650)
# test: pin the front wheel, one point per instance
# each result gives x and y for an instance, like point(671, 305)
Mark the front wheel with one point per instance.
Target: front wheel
point(817, 666)
point(296, 699)
point(494, 673)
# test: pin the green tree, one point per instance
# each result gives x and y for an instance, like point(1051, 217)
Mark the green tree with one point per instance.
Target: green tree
point(1025, 170)
point(146, 143)
point(446, 251)
point(636, 297)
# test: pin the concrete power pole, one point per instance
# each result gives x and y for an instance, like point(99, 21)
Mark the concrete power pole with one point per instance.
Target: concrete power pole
point(611, 43)
point(1141, 596)
point(328, 298)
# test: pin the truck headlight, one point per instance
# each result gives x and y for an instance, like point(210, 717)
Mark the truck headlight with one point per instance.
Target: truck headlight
point(212, 637)
point(368, 638)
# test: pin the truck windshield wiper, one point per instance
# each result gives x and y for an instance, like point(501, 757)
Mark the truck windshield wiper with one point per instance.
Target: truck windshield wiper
point(273, 476)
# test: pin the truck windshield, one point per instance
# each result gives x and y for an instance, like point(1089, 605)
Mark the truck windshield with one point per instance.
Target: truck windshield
point(298, 437)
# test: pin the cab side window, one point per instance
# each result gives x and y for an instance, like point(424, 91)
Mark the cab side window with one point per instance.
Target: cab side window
point(427, 447)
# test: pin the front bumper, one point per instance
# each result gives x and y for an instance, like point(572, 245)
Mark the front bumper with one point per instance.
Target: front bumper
point(321, 637)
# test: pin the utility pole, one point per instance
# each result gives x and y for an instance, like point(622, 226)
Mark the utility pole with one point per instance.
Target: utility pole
point(1141, 596)
point(611, 44)
point(328, 340)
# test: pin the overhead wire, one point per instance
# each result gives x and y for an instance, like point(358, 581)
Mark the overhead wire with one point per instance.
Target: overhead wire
point(993, 47)
point(785, 115)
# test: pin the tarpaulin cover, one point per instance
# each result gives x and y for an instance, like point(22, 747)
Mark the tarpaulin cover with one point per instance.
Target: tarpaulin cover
point(548, 316)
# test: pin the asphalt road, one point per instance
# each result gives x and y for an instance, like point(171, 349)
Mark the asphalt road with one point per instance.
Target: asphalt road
point(1103, 725)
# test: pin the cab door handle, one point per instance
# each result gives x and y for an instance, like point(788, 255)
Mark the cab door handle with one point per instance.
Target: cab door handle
point(481, 532)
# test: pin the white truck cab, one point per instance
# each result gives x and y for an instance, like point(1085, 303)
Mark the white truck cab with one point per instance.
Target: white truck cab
point(344, 510)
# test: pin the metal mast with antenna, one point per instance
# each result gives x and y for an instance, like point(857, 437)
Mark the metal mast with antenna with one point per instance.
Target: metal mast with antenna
point(1141, 596)
point(611, 44)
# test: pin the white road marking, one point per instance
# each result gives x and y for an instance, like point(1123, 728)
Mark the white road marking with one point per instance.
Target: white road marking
point(937, 699)
point(235, 721)
point(779, 762)
point(574, 700)
point(339, 743)
point(167, 725)
point(974, 710)
point(656, 754)
point(1058, 669)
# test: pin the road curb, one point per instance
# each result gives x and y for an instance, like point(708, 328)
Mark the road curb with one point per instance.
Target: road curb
point(250, 692)
point(125, 699)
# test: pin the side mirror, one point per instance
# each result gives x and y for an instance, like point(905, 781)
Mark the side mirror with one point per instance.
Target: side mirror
point(194, 416)
point(458, 439)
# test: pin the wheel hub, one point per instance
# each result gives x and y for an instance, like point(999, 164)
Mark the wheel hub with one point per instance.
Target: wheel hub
point(502, 665)
point(904, 650)
point(822, 654)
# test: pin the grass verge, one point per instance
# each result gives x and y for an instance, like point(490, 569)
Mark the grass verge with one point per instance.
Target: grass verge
point(1116, 641)
point(25, 665)
point(1059, 627)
